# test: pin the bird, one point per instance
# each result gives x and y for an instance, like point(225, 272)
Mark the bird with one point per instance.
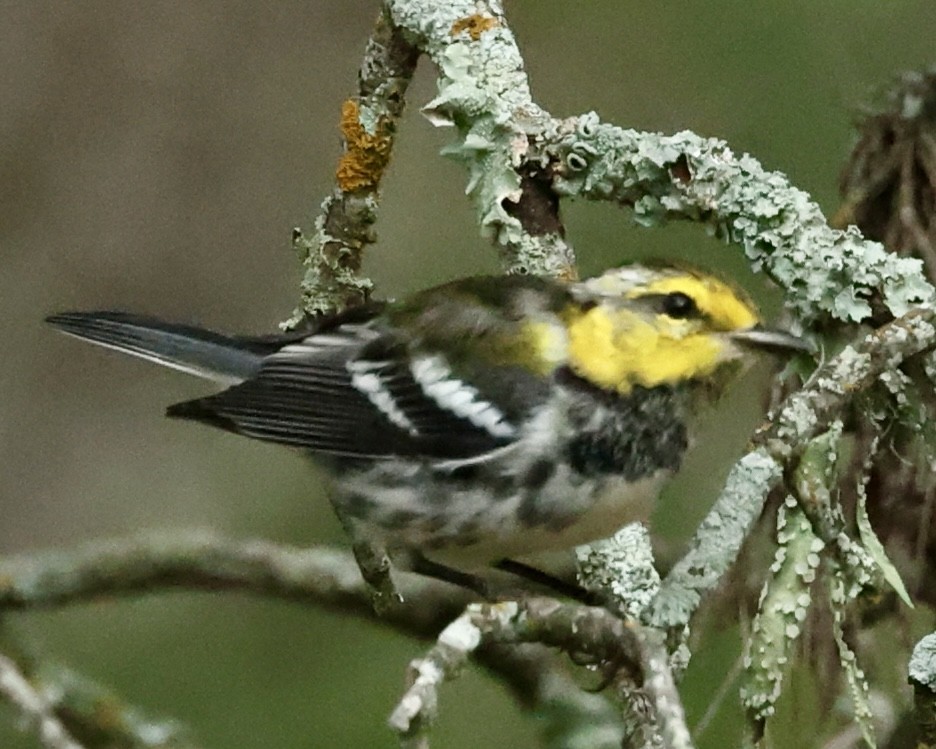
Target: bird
point(481, 421)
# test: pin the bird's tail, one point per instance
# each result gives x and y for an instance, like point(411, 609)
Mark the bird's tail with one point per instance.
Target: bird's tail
point(199, 352)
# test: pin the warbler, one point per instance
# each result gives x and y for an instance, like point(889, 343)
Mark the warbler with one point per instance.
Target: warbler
point(482, 420)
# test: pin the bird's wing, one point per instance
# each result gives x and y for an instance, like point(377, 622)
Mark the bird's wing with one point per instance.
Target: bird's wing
point(355, 390)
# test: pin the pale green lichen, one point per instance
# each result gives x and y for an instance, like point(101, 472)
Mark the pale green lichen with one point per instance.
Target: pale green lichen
point(331, 264)
point(784, 604)
point(824, 272)
point(622, 567)
point(922, 667)
point(858, 688)
point(717, 540)
point(484, 93)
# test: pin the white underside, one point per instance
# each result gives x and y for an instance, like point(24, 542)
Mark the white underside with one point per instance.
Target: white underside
point(618, 504)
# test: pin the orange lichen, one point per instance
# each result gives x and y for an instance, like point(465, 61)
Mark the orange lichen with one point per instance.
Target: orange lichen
point(366, 154)
point(475, 25)
point(568, 273)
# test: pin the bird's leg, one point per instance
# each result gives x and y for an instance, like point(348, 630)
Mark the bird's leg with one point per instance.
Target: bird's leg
point(562, 587)
point(375, 569)
point(423, 566)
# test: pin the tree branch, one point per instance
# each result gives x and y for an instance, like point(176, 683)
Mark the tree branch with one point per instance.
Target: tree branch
point(633, 654)
point(194, 560)
point(485, 94)
point(332, 256)
point(778, 444)
point(823, 272)
point(17, 690)
point(197, 560)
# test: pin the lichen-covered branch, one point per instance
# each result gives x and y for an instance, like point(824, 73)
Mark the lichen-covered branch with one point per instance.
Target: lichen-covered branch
point(621, 570)
point(922, 675)
point(485, 94)
point(823, 272)
point(332, 256)
point(194, 560)
point(778, 444)
point(638, 655)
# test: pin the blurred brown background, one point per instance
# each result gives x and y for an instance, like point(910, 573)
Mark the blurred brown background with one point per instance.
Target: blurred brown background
point(154, 156)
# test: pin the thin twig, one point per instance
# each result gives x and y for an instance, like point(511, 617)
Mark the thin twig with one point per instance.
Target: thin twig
point(33, 705)
point(332, 257)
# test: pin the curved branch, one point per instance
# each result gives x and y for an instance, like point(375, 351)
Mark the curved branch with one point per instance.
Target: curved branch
point(484, 92)
point(824, 272)
point(635, 655)
point(198, 560)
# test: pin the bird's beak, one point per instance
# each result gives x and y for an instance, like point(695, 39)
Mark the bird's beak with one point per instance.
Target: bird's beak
point(775, 341)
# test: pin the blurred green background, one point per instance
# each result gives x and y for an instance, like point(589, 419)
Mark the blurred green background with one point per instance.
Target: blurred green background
point(155, 156)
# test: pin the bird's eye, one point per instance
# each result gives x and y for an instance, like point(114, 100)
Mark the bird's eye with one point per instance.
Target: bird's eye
point(679, 305)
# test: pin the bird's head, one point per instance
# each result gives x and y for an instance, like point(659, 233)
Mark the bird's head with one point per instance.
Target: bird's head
point(649, 326)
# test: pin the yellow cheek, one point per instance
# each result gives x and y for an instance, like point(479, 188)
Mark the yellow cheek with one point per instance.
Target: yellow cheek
point(639, 354)
point(658, 359)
